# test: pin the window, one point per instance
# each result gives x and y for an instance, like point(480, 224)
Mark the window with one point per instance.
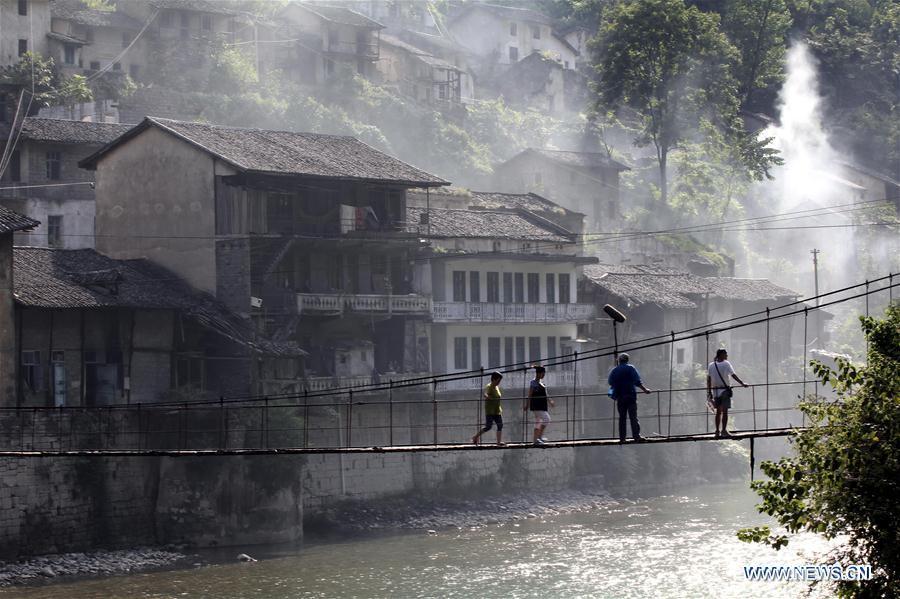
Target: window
point(513, 54)
point(496, 246)
point(564, 297)
point(507, 288)
point(520, 350)
point(165, 19)
point(474, 286)
point(534, 349)
point(32, 376)
point(53, 165)
point(95, 65)
point(508, 350)
point(460, 359)
point(23, 47)
point(15, 167)
point(513, 29)
point(537, 178)
point(493, 287)
point(23, 7)
point(185, 20)
point(494, 352)
point(54, 230)
point(519, 281)
point(189, 371)
point(551, 288)
point(551, 347)
point(89, 35)
point(2, 108)
point(58, 378)
point(534, 288)
point(536, 32)
point(206, 22)
point(134, 70)
point(69, 54)
point(679, 355)
point(459, 286)
point(117, 66)
point(476, 353)
point(126, 39)
point(566, 349)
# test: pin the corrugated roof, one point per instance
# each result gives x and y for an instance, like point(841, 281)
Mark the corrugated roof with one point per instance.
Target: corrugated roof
point(286, 153)
point(76, 11)
point(75, 132)
point(11, 221)
point(671, 288)
point(481, 224)
point(54, 278)
point(341, 15)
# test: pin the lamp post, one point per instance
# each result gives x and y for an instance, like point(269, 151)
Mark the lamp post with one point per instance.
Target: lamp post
point(616, 317)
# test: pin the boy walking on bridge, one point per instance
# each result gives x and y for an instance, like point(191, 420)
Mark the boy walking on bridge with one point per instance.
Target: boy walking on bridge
point(493, 410)
point(538, 401)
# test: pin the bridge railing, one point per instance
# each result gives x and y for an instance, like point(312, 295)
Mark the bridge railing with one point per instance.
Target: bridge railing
point(367, 420)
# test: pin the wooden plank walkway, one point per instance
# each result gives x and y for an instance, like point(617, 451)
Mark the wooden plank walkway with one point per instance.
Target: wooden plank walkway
point(102, 453)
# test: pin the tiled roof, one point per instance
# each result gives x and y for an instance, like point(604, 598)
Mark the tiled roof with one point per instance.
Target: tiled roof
point(422, 55)
point(66, 39)
point(481, 224)
point(523, 201)
point(75, 10)
point(220, 7)
point(13, 221)
point(341, 15)
point(71, 132)
point(577, 159)
point(508, 12)
point(286, 153)
point(671, 288)
point(52, 278)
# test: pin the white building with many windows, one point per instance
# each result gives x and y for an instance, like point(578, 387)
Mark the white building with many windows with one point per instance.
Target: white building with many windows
point(503, 284)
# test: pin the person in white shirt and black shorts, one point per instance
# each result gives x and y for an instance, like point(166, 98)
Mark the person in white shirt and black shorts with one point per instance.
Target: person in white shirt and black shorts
point(719, 391)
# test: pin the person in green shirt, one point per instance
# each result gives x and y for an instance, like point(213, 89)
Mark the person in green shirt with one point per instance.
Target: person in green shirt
point(493, 411)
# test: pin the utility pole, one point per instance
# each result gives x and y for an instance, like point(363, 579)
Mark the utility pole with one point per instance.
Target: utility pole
point(815, 254)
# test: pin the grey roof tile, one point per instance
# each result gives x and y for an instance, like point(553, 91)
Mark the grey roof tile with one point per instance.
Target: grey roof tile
point(288, 153)
point(76, 11)
point(524, 201)
point(481, 224)
point(54, 278)
point(74, 132)
point(341, 15)
point(11, 221)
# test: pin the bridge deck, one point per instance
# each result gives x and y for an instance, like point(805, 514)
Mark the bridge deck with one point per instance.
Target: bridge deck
point(737, 436)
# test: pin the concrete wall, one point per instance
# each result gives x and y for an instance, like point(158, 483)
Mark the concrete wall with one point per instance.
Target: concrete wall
point(157, 175)
point(8, 351)
point(33, 27)
point(75, 504)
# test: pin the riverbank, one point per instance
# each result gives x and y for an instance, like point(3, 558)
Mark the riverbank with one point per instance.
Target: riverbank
point(88, 565)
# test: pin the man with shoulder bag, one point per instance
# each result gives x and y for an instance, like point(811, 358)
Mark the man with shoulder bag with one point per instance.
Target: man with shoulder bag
point(719, 391)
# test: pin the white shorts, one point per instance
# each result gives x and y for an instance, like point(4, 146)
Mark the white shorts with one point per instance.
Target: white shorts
point(541, 417)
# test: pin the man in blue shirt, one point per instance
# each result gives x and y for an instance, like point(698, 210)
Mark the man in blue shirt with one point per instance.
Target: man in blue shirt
point(623, 379)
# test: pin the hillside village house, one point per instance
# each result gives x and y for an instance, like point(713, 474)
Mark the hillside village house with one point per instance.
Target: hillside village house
point(95, 331)
point(418, 74)
point(10, 223)
point(25, 24)
point(542, 83)
point(503, 35)
point(52, 188)
point(586, 182)
point(657, 298)
point(503, 284)
point(303, 232)
point(312, 42)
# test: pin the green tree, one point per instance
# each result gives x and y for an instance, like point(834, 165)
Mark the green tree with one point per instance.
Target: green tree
point(759, 29)
point(39, 76)
point(669, 64)
point(844, 476)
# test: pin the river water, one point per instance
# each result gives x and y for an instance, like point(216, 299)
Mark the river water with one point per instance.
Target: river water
point(678, 545)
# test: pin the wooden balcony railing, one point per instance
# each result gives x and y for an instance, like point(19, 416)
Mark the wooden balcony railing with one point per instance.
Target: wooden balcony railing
point(366, 303)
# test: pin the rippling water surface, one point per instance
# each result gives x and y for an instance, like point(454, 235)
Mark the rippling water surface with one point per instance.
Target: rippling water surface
point(681, 545)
